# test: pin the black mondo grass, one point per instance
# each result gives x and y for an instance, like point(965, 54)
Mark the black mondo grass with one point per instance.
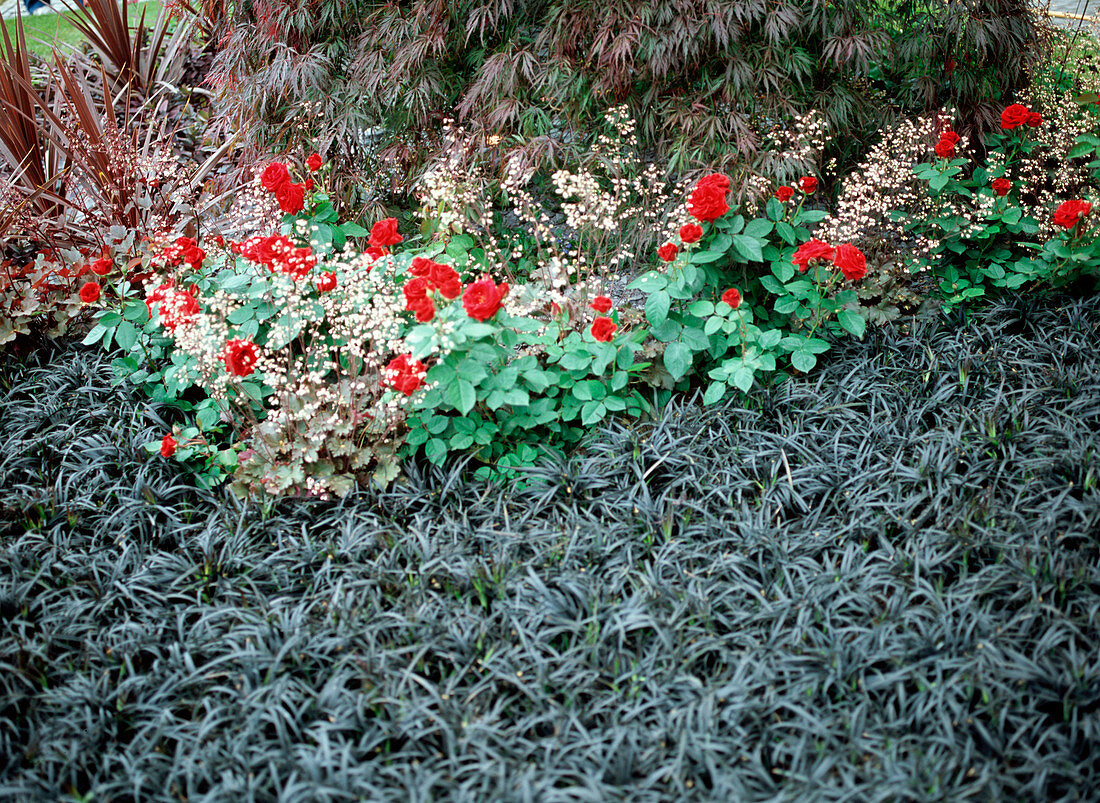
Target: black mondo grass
point(877, 582)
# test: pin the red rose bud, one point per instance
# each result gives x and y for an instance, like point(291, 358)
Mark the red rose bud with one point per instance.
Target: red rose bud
point(308, 186)
point(89, 293)
point(404, 374)
point(314, 162)
point(167, 446)
point(784, 193)
point(1001, 186)
point(239, 357)
point(732, 296)
point(945, 149)
point(668, 252)
point(601, 304)
point(1034, 120)
point(603, 329)
point(327, 282)
point(691, 233)
point(808, 184)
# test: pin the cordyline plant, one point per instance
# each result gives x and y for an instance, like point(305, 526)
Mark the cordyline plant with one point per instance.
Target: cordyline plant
point(89, 174)
point(138, 57)
point(707, 80)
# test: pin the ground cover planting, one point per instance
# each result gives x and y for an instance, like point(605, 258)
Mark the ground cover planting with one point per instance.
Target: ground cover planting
point(877, 582)
point(689, 401)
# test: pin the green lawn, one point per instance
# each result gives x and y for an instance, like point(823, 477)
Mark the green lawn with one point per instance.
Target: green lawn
point(46, 29)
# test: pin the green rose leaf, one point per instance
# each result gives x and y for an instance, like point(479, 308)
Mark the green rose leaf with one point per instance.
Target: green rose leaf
point(656, 308)
point(678, 358)
point(803, 360)
point(748, 248)
point(716, 391)
point(852, 322)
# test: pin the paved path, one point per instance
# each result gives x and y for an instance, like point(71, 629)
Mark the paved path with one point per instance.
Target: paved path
point(1078, 7)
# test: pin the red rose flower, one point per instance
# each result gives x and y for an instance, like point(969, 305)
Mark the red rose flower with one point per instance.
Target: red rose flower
point(708, 200)
point(601, 304)
point(404, 374)
point(944, 149)
point(1034, 120)
point(158, 295)
point(732, 296)
point(950, 136)
point(167, 446)
point(691, 233)
point(326, 282)
point(1001, 186)
point(603, 329)
point(177, 307)
point(1014, 116)
point(813, 250)
point(101, 267)
point(851, 261)
point(308, 185)
point(668, 252)
point(417, 299)
point(314, 162)
point(376, 252)
point(1066, 216)
point(274, 176)
point(716, 180)
point(218, 240)
point(482, 299)
point(239, 357)
point(442, 278)
point(89, 293)
point(384, 233)
point(190, 252)
point(784, 193)
point(291, 197)
point(808, 184)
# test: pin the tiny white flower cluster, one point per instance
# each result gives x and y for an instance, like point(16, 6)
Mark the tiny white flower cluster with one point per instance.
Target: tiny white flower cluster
point(790, 150)
point(452, 188)
point(614, 208)
point(881, 185)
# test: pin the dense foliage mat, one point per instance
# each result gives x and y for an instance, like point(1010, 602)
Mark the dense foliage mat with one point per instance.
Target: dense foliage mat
point(878, 582)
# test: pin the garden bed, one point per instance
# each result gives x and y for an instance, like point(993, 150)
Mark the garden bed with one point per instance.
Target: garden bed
point(877, 582)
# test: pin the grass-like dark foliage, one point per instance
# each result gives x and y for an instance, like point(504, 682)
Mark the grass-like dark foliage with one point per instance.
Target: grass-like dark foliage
point(880, 582)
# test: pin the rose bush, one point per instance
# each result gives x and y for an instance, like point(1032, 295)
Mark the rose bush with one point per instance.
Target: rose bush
point(980, 230)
